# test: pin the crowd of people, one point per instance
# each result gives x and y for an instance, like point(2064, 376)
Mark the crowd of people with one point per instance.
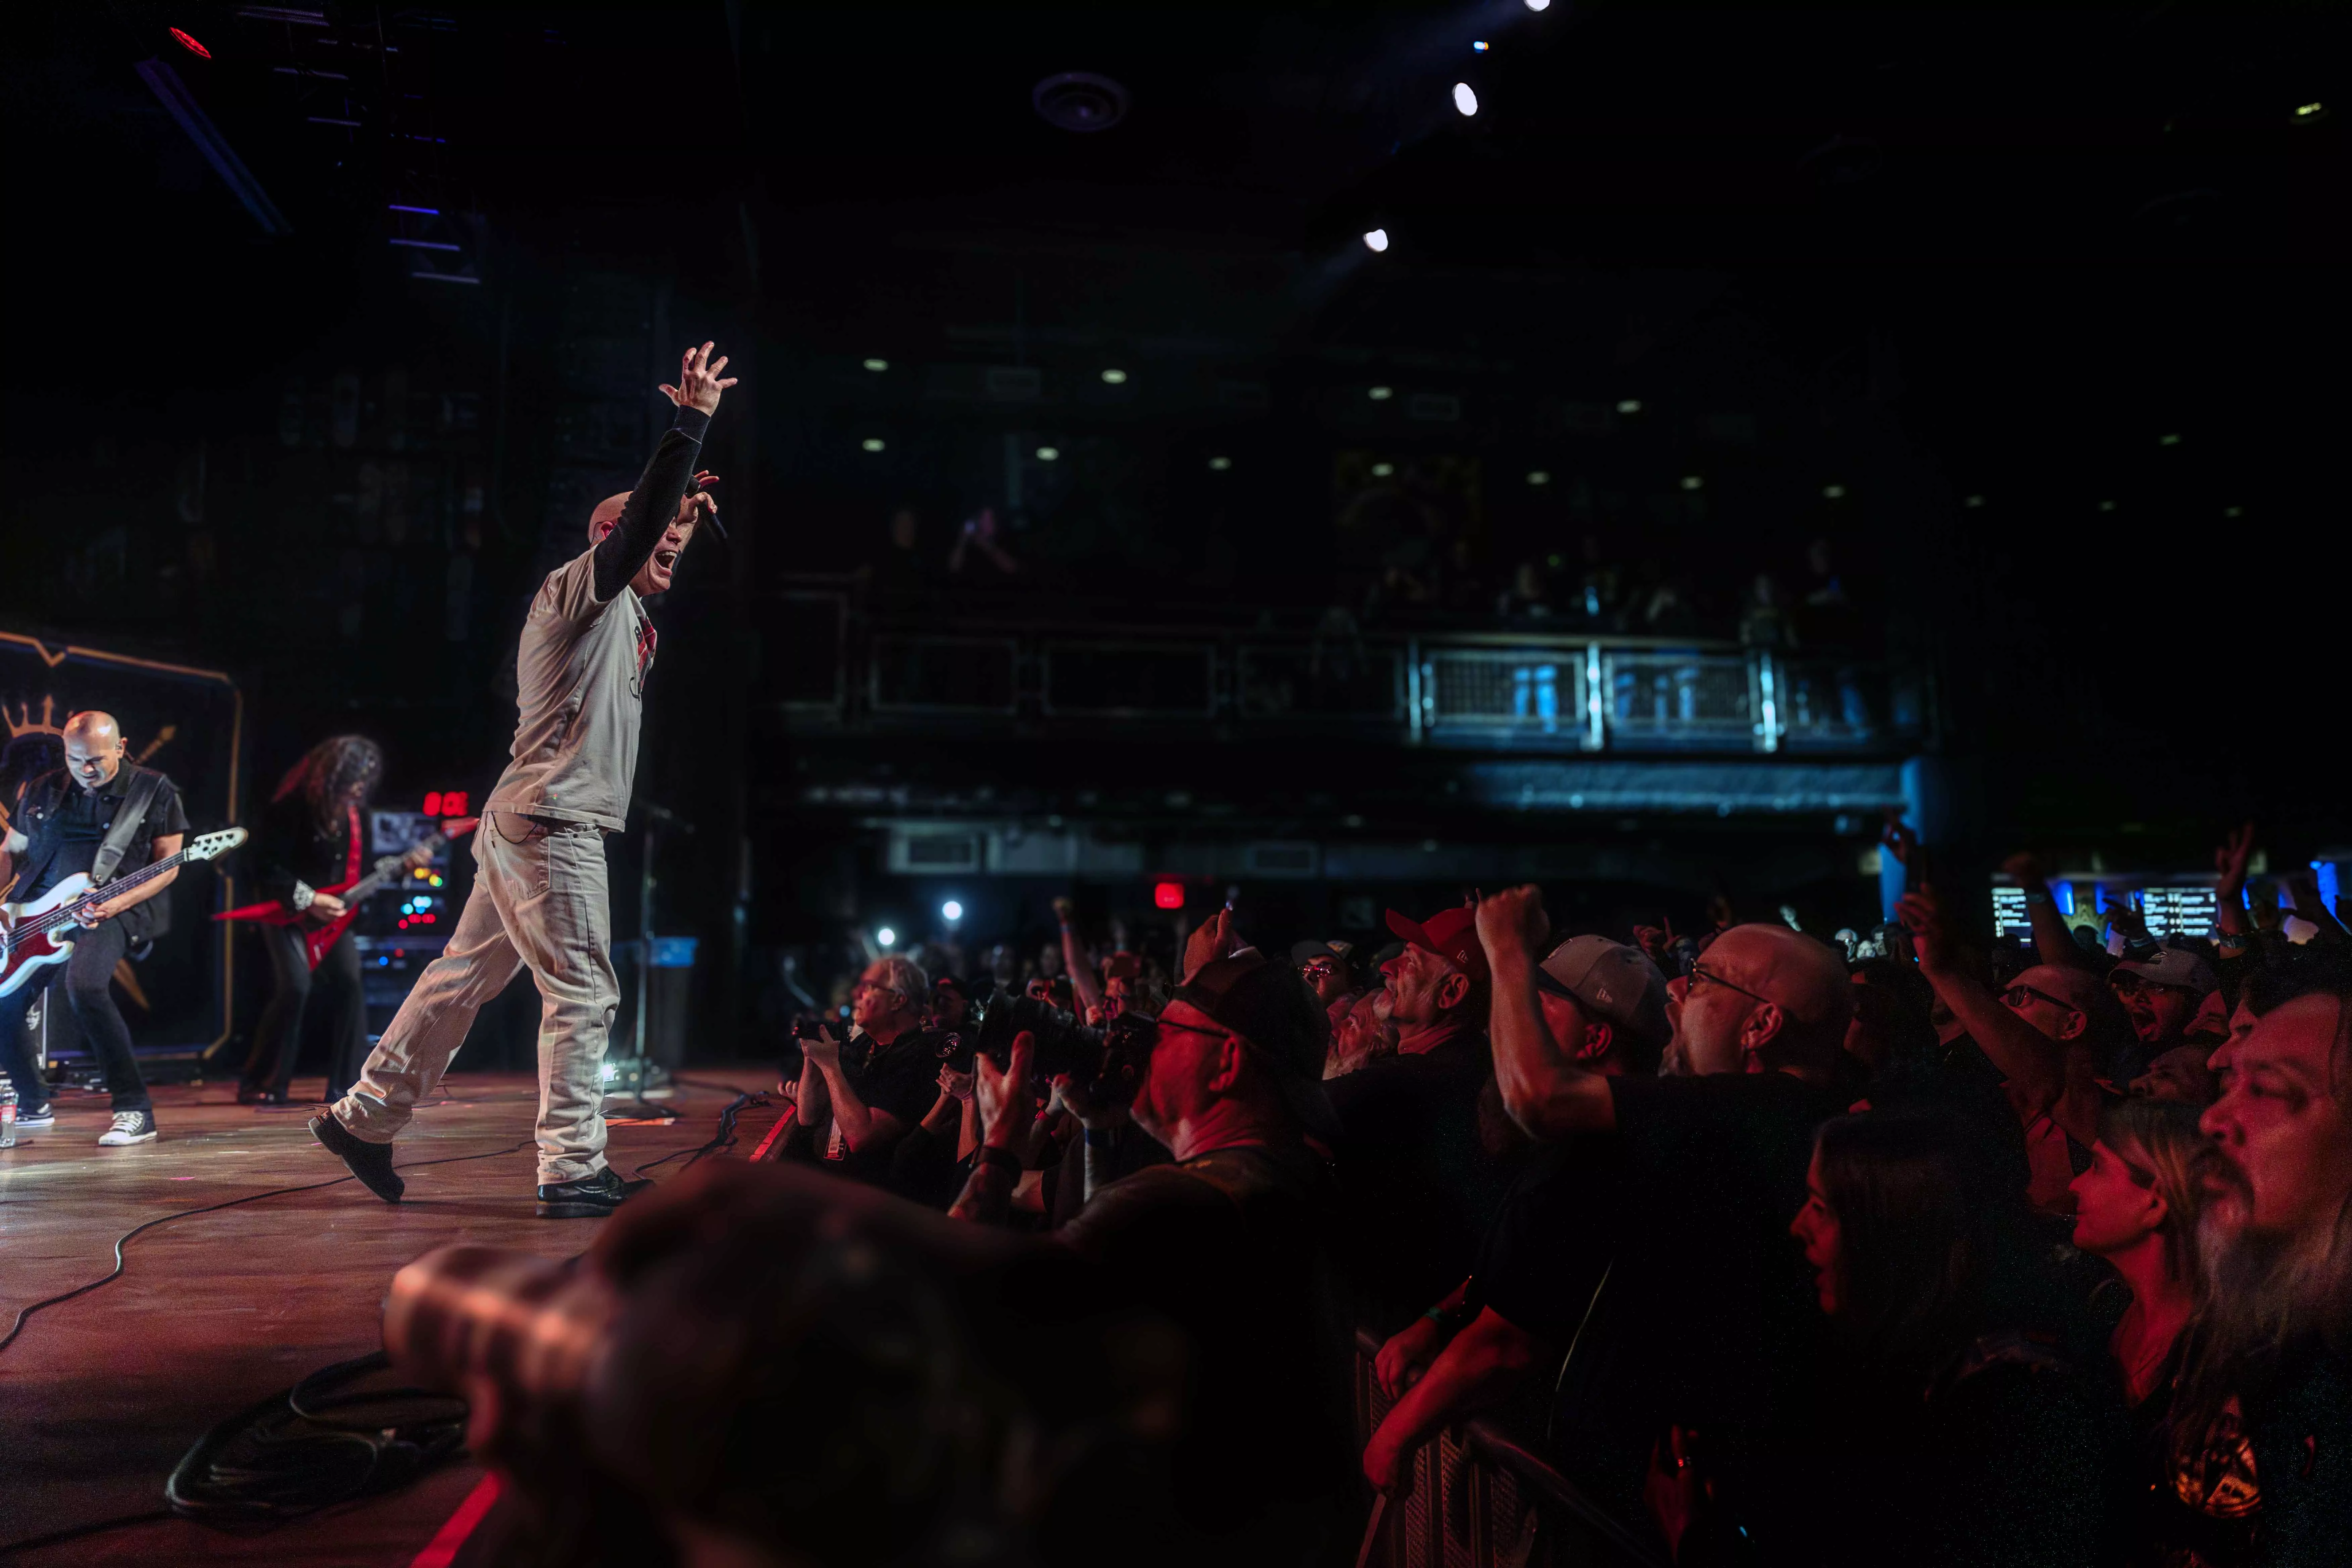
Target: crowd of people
point(1794, 1250)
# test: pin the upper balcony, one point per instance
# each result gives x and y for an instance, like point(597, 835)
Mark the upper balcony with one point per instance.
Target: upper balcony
point(836, 664)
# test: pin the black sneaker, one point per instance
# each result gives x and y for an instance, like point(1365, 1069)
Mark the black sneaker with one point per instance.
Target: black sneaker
point(130, 1127)
point(370, 1162)
point(37, 1117)
point(589, 1196)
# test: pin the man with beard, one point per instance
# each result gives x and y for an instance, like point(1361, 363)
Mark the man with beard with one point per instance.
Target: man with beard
point(2262, 1425)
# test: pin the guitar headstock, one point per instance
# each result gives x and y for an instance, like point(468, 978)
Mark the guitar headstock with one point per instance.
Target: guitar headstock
point(210, 846)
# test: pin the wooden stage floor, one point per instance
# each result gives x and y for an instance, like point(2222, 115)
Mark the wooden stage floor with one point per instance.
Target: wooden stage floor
point(101, 1395)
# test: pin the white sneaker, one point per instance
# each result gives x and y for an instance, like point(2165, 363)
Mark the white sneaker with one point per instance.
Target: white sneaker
point(130, 1127)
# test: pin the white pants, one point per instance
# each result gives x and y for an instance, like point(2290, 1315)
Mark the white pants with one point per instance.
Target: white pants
point(543, 904)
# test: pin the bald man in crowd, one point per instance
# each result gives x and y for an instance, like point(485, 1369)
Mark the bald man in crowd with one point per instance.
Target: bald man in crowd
point(103, 816)
point(540, 898)
point(2046, 1035)
point(1702, 1313)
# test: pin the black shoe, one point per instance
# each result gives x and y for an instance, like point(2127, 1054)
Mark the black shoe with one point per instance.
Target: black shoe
point(370, 1162)
point(589, 1196)
point(247, 1094)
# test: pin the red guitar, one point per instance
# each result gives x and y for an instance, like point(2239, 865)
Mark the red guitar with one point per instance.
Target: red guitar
point(318, 938)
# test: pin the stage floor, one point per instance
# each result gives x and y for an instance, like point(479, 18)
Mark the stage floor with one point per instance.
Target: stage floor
point(101, 1395)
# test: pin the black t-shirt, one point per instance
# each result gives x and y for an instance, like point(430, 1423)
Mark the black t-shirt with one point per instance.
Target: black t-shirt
point(1232, 1246)
point(903, 1079)
point(1553, 1238)
point(1420, 1176)
point(1708, 1317)
point(294, 847)
point(66, 823)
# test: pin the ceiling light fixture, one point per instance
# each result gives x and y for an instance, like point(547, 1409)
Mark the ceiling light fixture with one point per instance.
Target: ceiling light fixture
point(1464, 100)
point(1375, 240)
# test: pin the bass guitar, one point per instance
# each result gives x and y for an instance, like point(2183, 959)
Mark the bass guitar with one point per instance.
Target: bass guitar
point(37, 934)
point(318, 938)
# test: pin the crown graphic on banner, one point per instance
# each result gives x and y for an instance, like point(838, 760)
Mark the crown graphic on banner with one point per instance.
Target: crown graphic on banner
point(22, 723)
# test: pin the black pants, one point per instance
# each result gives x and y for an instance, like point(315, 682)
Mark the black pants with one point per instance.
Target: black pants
point(89, 975)
point(330, 996)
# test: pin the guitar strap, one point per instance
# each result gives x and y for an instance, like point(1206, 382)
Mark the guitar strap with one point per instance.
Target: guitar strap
point(352, 844)
point(128, 822)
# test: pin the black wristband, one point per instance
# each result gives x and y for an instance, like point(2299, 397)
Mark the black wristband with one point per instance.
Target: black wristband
point(1100, 1137)
point(1005, 1160)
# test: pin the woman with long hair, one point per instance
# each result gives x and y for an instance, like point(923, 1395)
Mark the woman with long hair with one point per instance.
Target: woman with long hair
point(1965, 1430)
point(311, 838)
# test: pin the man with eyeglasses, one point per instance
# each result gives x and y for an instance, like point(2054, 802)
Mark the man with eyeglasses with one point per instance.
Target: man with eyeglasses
point(1324, 966)
point(1705, 1316)
point(2160, 994)
point(1230, 1240)
point(2042, 1034)
point(861, 1096)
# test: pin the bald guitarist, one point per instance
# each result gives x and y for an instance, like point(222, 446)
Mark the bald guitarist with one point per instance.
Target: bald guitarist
point(64, 822)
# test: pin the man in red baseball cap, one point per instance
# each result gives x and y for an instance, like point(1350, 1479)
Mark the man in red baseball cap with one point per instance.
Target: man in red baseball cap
point(1422, 1181)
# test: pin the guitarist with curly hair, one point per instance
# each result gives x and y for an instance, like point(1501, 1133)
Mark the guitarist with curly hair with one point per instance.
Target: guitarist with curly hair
point(312, 840)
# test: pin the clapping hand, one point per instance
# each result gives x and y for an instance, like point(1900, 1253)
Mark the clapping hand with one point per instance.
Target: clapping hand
point(1004, 1094)
point(821, 1050)
point(955, 1085)
point(698, 381)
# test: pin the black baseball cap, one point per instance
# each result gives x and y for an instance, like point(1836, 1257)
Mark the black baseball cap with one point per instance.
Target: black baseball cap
point(1268, 1005)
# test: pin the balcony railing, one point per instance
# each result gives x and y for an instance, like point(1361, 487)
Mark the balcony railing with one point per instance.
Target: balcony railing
point(830, 663)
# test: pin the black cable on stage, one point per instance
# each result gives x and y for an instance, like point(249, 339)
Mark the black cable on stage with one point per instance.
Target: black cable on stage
point(116, 1272)
point(725, 1139)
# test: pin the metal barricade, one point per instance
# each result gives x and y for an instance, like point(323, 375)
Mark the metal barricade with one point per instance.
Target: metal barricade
point(1481, 1498)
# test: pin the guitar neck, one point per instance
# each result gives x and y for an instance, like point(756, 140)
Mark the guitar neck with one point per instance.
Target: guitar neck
point(140, 877)
point(367, 887)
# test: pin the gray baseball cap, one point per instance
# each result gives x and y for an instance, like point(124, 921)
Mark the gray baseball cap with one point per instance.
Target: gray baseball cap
point(1616, 983)
point(2175, 967)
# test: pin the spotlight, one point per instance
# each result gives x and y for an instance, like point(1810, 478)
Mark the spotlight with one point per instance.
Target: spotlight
point(951, 911)
point(1219, 464)
point(1114, 378)
point(1973, 502)
point(201, 52)
point(871, 443)
point(2305, 113)
point(1479, 45)
point(2233, 512)
point(2106, 506)
point(1538, 5)
point(1375, 240)
point(1834, 492)
point(1168, 895)
point(1382, 394)
point(2171, 440)
point(1538, 478)
point(1382, 470)
point(1629, 406)
point(1048, 454)
point(1692, 481)
point(1464, 100)
point(887, 937)
point(877, 365)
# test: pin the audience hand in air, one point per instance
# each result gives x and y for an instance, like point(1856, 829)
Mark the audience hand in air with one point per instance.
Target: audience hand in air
point(1004, 1098)
point(955, 1085)
point(1514, 921)
point(1922, 914)
point(1657, 940)
point(1213, 940)
point(2230, 863)
point(1898, 837)
point(698, 381)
